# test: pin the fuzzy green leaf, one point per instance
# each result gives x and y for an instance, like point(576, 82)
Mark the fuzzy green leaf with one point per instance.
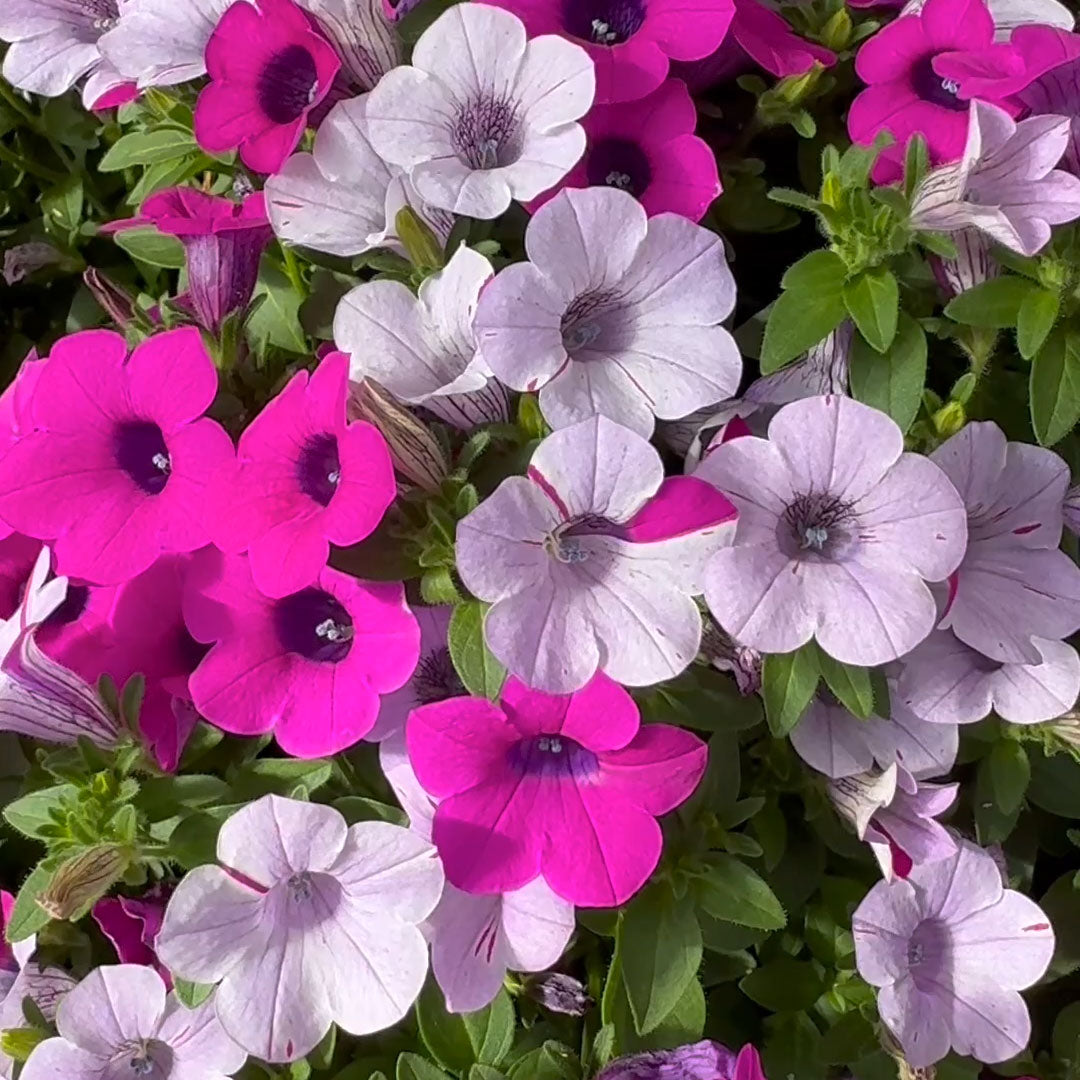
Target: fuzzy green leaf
point(788, 682)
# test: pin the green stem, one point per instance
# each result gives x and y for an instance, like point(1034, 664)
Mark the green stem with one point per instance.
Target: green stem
point(292, 270)
point(28, 167)
point(31, 119)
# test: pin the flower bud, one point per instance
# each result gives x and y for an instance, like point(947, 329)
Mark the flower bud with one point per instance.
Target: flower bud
point(83, 879)
point(114, 301)
point(19, 1043)
point(559, 993)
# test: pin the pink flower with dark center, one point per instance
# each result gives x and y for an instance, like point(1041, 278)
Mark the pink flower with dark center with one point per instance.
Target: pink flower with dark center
point(631, 41)
point(649, 149)
point(309, 666)
point(269, 67)
point(303, 479)
point(116, 467)
point(563, 787)
point(223, 241)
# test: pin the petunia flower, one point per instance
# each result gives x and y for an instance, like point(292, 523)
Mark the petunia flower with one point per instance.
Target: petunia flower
point(1057, 93)
point(18, 554)
point(309, 666)
point(305, 924)
point(727, 654)
point(475, 939)
point(422, 348)
point(631, 42)
point(54, 43)
point(839, 531)
point(704, 1060)
point(1007, 14)
point(223, 242)
point(896, 815)
point(363, 37)
point(1005, 185)
point(563, 787)
point(615, 313)
point(972, 266)
point(949, 948)
point(1070, 510)
point(592, 560)
point(649, 149)
point(120, 1021)
point(304, 478)
point(823, 370)
point(758, 36)
point(132, 926)
point(116, 468)
point(342, 198)
point(944, 681)
point(837, 743)
point(482, 116)
point(269, 67)
point(1014, 583)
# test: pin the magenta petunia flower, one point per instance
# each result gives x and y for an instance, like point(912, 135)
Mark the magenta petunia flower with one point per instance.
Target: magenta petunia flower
point(949, 948)
point(303, 479)
point(116, 468)
point(223, 241)
point(563, 787)
point(945, 681)
point(309, 666)
point(839, 531)
point(632, 42)
point(119, 1021)
point(705, 1060)
point(908, 93)
point(592, 561)
point(1014, 583)
point(615, 313)
point(306, 923)
point(269, 67)
point(18, 554)
point(132, 926)
point(649, 149)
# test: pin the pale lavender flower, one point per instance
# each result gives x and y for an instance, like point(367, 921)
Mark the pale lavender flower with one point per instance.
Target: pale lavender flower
point(705, 1060)
point(119, 1021)
point(342, 198)
point(823, 370)
point(362, 36)
point(422, 348)
point(1058, 93)
point(972, 266)
point(895, 814)
point(833, 741)
point(310, 923)
point(1005, 185)
point(839, 531)
point(482, 115)
point(475, 939)
point(944, 681)
point(615, 313)
point(1014, 583)
point(592, 560)
point(949, 948)
point(1070, 510)
point(727, 654)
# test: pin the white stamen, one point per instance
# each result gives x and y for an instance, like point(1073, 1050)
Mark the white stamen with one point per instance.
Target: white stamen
point(489, 153)
point(814, 536)
point(602, 32)
point(300, 886)
point(951, 86)
point(556, 745)
point(620, 180)
point(581, 336)
point(104, 24)
point(334, 477)
point(162, 463)
point(915, 953)
point(332, 631)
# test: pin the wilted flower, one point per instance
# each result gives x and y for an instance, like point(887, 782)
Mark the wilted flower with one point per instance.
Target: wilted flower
point(82, 879)
point(306, 923)
point(481, 115)
point(559, 994)
point(839, 530)
point(948, 948)
point(615, 313)
point(22, 260)
point(1005, 184)
point(726, 654)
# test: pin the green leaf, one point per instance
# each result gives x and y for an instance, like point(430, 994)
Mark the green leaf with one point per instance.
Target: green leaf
point(194, 841)
point(191, 995)
point(457, 1040)
point(701, 698)
point(995, 303)
point(873, 302)
point(414, 1067)
point(161, 797)
point(481, 673)
point(354, 808)
point(1061, 903)
point(1010, 772)
point(151, 247)
point(1054, 387)
point(491, 1030)
point(276, 320)
point(27, 917)
point(660, 955)
point(1035, 320)
point(421, 244)
point(485, 1072)
point(850, 684)
point(788, 682)
point(798, 321)
point(552, 1061)
point(32, 813)
point(821, 271)
point(784, 985)
point(892, 382)
point(729, 890)
point(280, 776)
point(148, 148)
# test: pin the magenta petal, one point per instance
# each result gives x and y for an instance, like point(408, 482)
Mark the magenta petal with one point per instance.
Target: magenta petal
point(658, 770)
point(683, 505)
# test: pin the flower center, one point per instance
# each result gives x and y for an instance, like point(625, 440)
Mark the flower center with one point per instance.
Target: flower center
point(299, 886)
point(315, 625)
point(487, 133)
point(929, 954)
point(604, 22)
point(554, 757)
point(618, 163)
point(583, 321)
point(435, 678)
point(101, 14)
point(288, 84)
point(141, 1058)
point(319, 468)
point(817, 526)
point(142, 453)
point(931, 87)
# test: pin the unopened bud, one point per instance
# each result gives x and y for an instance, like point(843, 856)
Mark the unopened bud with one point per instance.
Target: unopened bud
point(949, 419)
point(415, 451)
point(559, 993)
point(795, 88)
point(727, 654)
point(420, 242)
point(836, 33)
point(19, 1043)
point(83, 879)
point(114, 301)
